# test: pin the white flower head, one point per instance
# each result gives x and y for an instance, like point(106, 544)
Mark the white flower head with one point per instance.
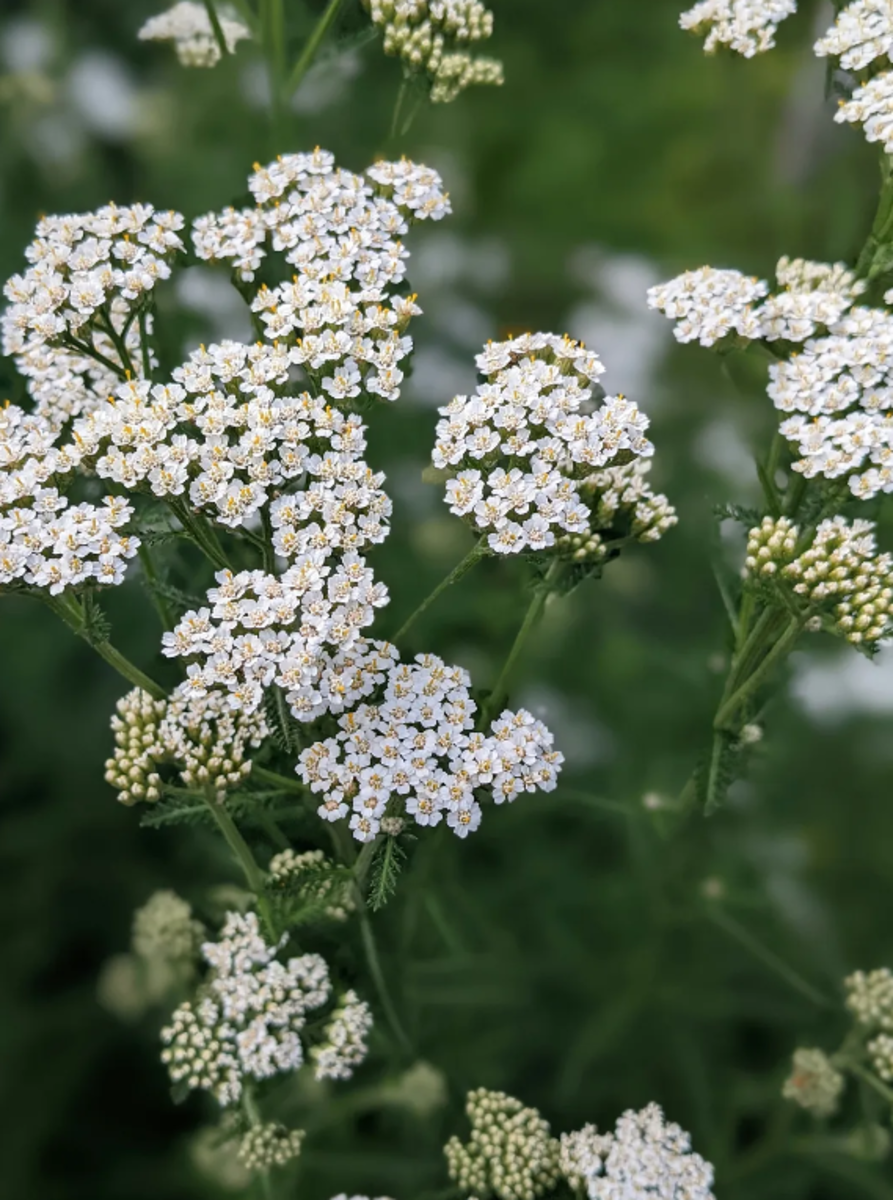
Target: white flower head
point(188, 26)
point(746, 26)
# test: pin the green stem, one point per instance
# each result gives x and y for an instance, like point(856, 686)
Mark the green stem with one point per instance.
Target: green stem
point(217, 28)
point(72, 614)
point(254, 876)
point(776, 654)
point(768, 957)
point(158, 600)
point(531, 617)
point(883, 222)
point(314, 42)
point(254, 1118)
point(866, 1076)
point(118, 342)
point(144, 345)
point(90, 351)
point(281, 782)
point(478, 550)
point(201, 533)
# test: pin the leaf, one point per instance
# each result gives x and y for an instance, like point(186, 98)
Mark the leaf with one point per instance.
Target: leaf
point(386, 867)
point(748, 517)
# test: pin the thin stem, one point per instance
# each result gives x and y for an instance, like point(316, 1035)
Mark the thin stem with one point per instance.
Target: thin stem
point(158, 600)
point(478, 550)
point(768, 957)
point(314, 42)
point(866, 1076)
point(778, 652)
point(281, 782)
point(72, 614)
point(145, 351)
point(375, 970)
point(531, 617)
point(200, 532)
point(254, 876)
point(118, 342)
point(217, 28)
point(90, 351)
point(254, 1118)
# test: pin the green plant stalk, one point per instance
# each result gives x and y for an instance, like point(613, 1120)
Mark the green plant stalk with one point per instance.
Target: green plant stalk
point(531, 617)
point(72, 614)
point(866, 1076)
point(254, 876)
point(883, 223)
point(200, 532)
point(158, 601)
point(280, 782)
point(85, 348)
point(474, 555)
point(778, 651)
point(316, 39)
point(217, 28)
point(768, 957)
point(118, 342)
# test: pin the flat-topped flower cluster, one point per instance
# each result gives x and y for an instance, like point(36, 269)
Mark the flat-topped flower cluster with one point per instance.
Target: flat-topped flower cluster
point(524, 451)
point(414, 751)
point(188, 25)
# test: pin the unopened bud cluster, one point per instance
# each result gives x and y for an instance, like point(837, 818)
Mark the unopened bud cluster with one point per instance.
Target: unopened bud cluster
point(206, 741)
point(623, 506)
point(581, 1156)
point(840, 574)
point(433, 37)
point(510, 1154)
point(344, 1046)
point(164, 928)
point(287, 869)
point(270, 1145)
point(814, 1083)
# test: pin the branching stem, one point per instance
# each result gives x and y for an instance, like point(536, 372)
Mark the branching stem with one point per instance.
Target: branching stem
point(474, 555)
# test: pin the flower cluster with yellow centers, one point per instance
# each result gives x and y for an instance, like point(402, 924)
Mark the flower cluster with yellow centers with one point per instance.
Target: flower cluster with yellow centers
point(246, 1020)
point(412, 751)
point(189, 27)
point(623, 506)
point(814, 1083)
point(510, 1154)
point(746, 26)
point(206, 741)
point(434, 37)
point(839, 575)
point(522, 449)
point(269, 1145)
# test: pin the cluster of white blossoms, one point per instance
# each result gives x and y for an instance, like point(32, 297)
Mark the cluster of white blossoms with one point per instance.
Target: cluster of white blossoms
point(164, 928)
point(269, 1145)
point(412, 751)
point(204, 739)
point(310, 873)
point(341, 235)
point(510, 1154)
point(869, 997)
point(581, 1155)
point(245, 1022)
point(710, 304)
point(840, 574)
point(862, 39)
point(622, 504)
point(89, 274)
point(521, 449)
point(433, 37)
point(814, 1083)
point(189, 27)
point(344, 1045)
point(294, 630)
point(746, 26)
point(227, 433)
point(45, 540)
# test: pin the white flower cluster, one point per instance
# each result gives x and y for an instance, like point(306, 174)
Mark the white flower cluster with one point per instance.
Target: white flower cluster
point(433, 37)
point(522, 445)
point(227, 433)
point(245, 1022)
point(862, 37)
point(270, 1145)
point(310, 874)
point(298, 630)
point(871, 106)
point(709, 304)
point(745, 26)
point(46, 541)
point(412, 751)
point(814, 1083)
point(840, 390)
point(839, 574)
point(650, 1156)
point(341, 235)
point(581, 1156)
point(869, 997)
point(164, 928)
point(510, 1154)
point(89, 274)
point(199, 734)
point(189, 27)
point(622, 503)
point(344, 1044)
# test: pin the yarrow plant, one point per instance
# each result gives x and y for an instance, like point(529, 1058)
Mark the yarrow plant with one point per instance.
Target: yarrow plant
point(237, 482)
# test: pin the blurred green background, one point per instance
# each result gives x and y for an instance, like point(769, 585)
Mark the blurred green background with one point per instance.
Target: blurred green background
point(571, 953)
